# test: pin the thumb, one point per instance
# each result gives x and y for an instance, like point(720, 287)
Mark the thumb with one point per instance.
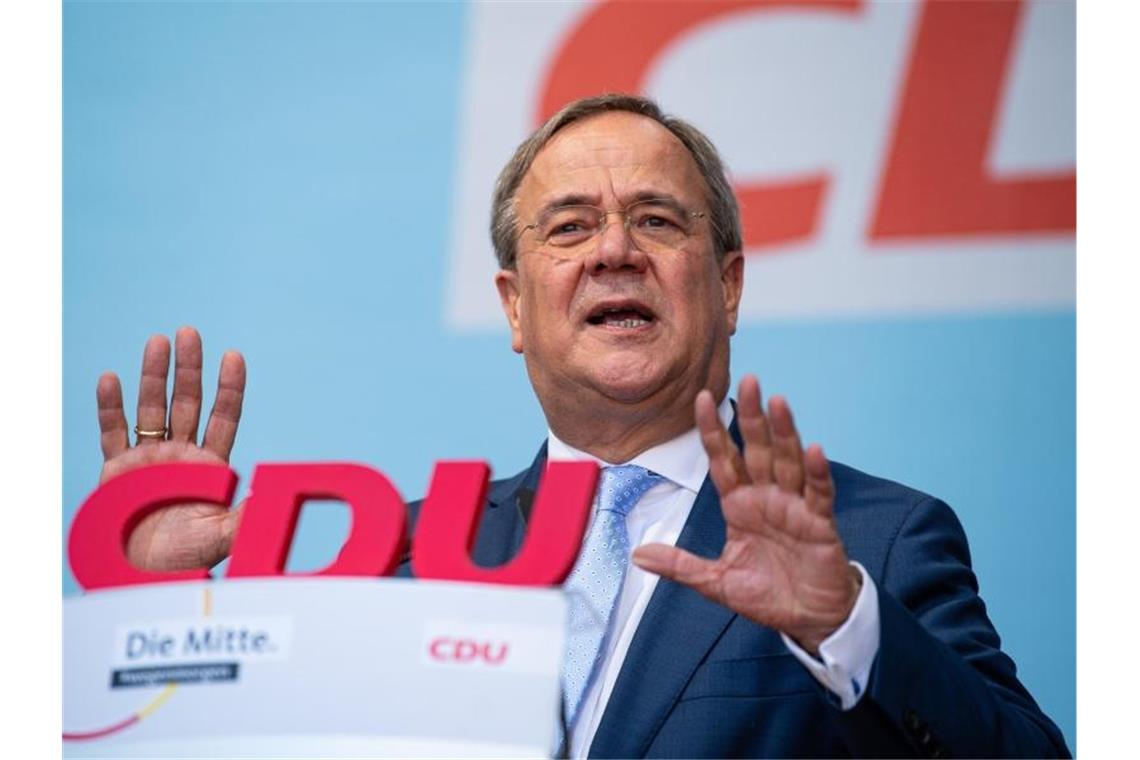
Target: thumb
point(231, 519)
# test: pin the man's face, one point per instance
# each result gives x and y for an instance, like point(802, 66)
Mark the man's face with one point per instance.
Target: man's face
point(612, 321)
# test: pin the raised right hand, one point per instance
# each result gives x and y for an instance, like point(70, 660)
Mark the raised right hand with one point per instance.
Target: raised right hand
point(182, 536)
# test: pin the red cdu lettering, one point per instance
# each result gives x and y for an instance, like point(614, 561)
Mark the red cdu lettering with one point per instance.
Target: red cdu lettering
point(376, 539)
point(601, 55)
point(376, 542)
point(96, 545)
point(445, 649)
point(449, 519)
point(435, 649)
point(936, 182)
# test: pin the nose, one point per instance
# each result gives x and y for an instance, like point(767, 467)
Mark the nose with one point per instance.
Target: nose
point(615, 250)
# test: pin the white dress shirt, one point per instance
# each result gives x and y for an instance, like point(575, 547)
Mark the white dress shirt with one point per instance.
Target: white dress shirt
point(845, 657)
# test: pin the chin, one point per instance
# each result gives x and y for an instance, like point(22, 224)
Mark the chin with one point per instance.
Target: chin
point(629, 379)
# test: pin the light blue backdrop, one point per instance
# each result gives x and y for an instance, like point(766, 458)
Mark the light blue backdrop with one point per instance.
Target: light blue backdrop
point(280, 176)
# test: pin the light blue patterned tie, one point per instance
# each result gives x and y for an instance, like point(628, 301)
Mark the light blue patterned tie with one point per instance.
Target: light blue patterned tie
point(595, 582)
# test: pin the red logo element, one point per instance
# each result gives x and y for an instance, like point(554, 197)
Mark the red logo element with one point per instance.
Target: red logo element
point(375, 542)
point(445, 534)
point(934, 183)
point(460, 650)
point(106, 519)
point(450, 516)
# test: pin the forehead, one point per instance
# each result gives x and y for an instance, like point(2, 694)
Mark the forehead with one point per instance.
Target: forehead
point(611, 156)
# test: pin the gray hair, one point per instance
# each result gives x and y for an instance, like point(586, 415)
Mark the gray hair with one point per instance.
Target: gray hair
point(724, 210)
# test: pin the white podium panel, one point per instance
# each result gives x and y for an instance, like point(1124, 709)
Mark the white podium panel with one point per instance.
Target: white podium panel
point(312, 667)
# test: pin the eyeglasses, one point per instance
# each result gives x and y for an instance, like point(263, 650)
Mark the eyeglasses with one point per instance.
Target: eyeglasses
point(655, 224)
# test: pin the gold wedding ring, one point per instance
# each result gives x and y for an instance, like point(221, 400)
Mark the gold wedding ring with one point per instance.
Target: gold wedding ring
point(149, 435)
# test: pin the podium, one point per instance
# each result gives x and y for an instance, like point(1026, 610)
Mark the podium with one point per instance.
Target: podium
point(312, 667)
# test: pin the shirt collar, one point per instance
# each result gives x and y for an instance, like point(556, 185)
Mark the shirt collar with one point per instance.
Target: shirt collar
point(682, 460)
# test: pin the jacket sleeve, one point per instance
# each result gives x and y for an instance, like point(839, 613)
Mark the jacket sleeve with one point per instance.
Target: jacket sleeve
point(940, 685)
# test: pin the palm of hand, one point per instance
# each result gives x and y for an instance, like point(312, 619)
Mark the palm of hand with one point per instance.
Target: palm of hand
point(181, 536)
point(781, 564)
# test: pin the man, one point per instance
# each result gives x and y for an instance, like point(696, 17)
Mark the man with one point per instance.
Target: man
point(776, 604)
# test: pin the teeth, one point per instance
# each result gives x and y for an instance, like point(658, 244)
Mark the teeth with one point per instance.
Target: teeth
point(625, 319)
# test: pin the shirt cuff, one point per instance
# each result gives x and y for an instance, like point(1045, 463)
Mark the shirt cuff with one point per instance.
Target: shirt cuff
point(846, 656)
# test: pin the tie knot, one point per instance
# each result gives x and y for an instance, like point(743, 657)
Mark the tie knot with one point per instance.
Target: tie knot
point(622, 486)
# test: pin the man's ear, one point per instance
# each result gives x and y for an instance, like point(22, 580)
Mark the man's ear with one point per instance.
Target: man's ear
point(510, 294)
point(732, 279)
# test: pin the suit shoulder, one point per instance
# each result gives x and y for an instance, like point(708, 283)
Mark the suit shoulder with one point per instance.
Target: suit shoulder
point(858, 490)
point(870, 513)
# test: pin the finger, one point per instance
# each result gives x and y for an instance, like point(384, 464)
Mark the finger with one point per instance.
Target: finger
point(788, 460)
point(222, 427)
point(725, 465)
point(681, 566)
point(186, 398)
point(152, 387)
point(754, 430)
point(820, 488)
point(112, 419)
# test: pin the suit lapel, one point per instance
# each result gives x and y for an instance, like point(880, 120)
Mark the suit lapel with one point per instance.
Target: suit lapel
point(676, 632)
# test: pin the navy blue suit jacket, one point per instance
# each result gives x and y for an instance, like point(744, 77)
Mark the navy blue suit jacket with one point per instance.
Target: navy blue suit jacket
point(702, 681)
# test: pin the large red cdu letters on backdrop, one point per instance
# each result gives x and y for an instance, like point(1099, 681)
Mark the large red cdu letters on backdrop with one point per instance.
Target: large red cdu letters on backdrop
point(375, 542)
point(446, 529)
point(936, 182)
point(449, 519)
point(632, 37)
point(96, 546)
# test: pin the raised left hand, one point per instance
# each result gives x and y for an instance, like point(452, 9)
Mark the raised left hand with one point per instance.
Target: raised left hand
point(783, 563)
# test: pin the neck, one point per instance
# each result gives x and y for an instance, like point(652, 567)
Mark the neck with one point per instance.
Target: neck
point(616, 445)
point(616, 432)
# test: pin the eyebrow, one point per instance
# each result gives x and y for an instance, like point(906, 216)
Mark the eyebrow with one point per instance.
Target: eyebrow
point(584, 199)
point(569, 199)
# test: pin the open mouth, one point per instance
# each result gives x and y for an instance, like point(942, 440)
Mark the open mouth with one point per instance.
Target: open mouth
point(626, 316)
